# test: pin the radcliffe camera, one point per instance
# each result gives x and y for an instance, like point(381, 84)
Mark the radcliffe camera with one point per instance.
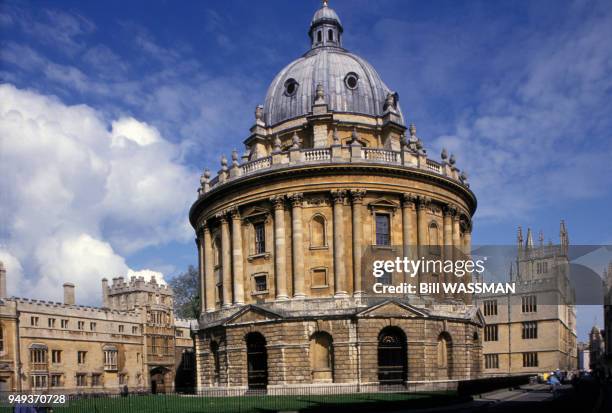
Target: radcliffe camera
point(310, 206)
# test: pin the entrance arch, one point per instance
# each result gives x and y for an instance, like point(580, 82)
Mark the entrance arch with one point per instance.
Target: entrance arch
point(257, 361)
point(161, 380)
point(392, 357)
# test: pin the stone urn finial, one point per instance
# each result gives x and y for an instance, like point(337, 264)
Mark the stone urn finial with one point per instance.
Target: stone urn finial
point(277, 144)
point(452, 159)
point(296, 141)
point(224, 162)
point(320, 95)
point(390, 102)
point(412, 130)
point(444, 154)
point(234, 158)
point(259, 113)
point(336, 137)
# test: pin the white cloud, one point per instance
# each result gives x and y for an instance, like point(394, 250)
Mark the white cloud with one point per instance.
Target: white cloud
point(135, 131)
point(79, 193)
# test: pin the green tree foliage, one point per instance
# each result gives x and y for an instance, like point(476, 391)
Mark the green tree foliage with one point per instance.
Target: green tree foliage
point(186, 294)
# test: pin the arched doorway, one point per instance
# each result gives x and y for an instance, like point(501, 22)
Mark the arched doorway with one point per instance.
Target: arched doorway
point(161, 381)
point(392, 357)
point(257, 361)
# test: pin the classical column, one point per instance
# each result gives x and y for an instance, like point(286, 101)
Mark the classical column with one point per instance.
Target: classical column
point(457, 235)
point(237, 257)
point(339, 267)
point(448, 211)
point(280, 267)
point(357, 205)
point(226, 260)
point(408, 201)
point(422, 236)
point(201, 274)
point(297, 247)
point(209, 271)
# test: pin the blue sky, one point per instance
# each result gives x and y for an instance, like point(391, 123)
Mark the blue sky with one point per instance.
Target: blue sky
point(520, 91)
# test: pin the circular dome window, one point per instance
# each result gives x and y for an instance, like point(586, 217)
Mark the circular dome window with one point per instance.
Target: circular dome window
point(291, 87)
point(351, 80)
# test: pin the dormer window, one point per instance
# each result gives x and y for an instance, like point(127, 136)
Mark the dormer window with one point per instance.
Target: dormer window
point(291, 87)
point(351, 80)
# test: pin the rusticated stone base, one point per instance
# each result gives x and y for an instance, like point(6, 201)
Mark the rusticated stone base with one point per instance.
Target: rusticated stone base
point(354, 349)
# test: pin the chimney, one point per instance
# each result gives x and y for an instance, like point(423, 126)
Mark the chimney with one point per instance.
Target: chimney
point(105, 303)
point(2, 280)
point(69, 293)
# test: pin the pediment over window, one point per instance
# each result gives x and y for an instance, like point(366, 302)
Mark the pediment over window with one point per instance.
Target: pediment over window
point(251, 314)
point(383, 204)
point(255, 214)
point(393, 309)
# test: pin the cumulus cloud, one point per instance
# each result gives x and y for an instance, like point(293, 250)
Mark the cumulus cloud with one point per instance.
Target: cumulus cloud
point(79, 193)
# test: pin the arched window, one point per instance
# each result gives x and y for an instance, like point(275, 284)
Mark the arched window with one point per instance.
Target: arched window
point(322, 357)
point(318, 231)
point(434, 242)
point(214, 349)
point(319, 37)
point(217, 252)
point(444, 348)
point(330, 35)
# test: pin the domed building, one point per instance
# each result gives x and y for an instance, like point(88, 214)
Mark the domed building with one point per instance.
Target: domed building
point(286, 233)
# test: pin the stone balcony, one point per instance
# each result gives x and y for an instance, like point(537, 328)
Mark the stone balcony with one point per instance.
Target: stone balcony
point(335, 154)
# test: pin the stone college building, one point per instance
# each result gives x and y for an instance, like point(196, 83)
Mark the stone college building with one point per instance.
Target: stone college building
point(330, 174)
point(133, 340)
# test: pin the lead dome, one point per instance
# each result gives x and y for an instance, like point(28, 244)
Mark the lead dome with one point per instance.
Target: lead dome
point(350, 84)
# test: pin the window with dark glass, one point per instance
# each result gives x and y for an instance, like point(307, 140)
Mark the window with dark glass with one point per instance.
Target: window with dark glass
point(491, 332)
point(261, 283)
point(386, 278)
point(491, 361)
point(260, 238)
point(530, 359)
point(382, 229)
point(530, 330)
point(490, 307)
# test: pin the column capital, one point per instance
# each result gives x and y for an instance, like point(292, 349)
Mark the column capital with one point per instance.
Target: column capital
point(423, 202)
point(296, 199)
point(409, 200)
point(234, 212)
point(450, 210)
point(221, 216)
point(338, 195)
point(278, 201)
point(357, 195)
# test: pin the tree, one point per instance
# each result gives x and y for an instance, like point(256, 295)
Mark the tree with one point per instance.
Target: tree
point(186, 293)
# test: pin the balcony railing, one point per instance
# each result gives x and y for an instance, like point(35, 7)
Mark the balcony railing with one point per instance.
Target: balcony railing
point(412, 159)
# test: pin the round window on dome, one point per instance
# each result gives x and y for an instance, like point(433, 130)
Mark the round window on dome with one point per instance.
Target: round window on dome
point(291, 87)
point(351, 80)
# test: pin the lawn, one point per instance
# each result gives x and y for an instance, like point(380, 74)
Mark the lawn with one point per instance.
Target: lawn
point(360, 402)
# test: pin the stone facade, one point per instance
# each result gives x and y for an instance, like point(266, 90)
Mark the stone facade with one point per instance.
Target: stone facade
point(133, 340)
point(607, 276)
point(284, 234)
point(534, 329)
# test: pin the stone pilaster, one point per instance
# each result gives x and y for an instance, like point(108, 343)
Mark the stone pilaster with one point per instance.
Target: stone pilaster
point(280, 266)
point(408, 226)
point(339, 265)
point(238, 283)
point(209, 271)
point(357, 196)
point(226, 259)
point(297, 247)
